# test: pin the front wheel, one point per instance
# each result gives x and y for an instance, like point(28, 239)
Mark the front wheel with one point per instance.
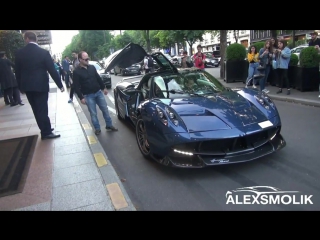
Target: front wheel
point(142, 139)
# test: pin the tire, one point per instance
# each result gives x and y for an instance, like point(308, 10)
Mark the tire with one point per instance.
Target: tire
point(141, 137)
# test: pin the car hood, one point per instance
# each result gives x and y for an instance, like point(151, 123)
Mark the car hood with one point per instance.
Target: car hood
point(223, 111)
point(102, 71)
point(133, 53)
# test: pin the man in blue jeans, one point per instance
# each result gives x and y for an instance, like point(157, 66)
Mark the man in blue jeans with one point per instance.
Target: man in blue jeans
point(88, 85)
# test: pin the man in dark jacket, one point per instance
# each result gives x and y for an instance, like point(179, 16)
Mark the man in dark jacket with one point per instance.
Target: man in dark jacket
point(88, 85)
point(8, 81)
point(32, 66)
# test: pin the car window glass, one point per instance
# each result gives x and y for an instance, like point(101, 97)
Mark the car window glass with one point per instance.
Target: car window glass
point(185, 85)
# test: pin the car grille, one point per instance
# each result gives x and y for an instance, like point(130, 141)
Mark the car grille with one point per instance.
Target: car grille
point(238, 144)
point(106, 79)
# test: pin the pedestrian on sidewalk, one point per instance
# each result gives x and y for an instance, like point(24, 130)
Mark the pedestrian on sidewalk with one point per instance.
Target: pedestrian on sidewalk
point(283, 58)
point(265, 56)
point(8, 81)
point(88, 85)
point(32, 66)
point(253, 59)
point(75, 64)
point(199, 58)
point(66, 70)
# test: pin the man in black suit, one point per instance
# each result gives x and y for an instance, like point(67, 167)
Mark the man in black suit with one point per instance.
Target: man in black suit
point(32, 66)
point(8, 81)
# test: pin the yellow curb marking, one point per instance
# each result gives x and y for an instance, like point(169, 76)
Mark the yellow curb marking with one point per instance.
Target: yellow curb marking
point(86, 126)
point(100, 159)
point(91, 139)
point(116, 196)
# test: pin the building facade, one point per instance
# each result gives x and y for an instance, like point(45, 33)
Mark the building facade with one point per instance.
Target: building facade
point(263, 35)
point(212, 43)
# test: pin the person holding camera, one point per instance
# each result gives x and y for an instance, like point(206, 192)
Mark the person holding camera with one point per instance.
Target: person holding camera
point(199, 58)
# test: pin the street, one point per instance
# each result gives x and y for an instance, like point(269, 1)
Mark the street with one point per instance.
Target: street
point(152, 186)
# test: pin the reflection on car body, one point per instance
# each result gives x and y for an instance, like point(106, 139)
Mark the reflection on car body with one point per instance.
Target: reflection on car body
point(187, 118)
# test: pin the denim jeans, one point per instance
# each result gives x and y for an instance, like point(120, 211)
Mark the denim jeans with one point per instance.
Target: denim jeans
point(252, 71)
point(98, 99)
point(262, 81)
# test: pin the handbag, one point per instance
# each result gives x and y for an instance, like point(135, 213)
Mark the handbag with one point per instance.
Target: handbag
point(274, 62)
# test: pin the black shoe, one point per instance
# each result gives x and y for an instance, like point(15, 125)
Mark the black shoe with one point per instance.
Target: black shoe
point(97, 131)
point(279, 91)
point(112, 128)
point(13, 104)
point(288, 92)
point(50, 136)
point(21, 103)
point(7, 103)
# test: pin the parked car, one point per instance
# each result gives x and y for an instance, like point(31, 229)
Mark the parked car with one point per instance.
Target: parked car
point(176, 61)
point(211, 61)
point(215, 54)
point(105, 76)
point(194, 125)
point(134, 69)
point(298, 49)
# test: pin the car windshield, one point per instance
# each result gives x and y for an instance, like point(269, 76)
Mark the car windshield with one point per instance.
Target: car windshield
point(186, 85)
point(96, 65)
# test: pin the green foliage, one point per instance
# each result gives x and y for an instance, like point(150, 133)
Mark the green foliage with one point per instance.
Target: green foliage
point(309, 57)
point(91, 42)
point(10, 42)
point(294, 59)
point(258, 45)
point(236, 52)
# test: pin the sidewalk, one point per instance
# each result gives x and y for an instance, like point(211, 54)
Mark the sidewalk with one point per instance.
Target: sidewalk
point(68, 173)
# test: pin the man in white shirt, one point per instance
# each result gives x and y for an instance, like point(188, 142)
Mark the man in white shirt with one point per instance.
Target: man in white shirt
point(145, 65)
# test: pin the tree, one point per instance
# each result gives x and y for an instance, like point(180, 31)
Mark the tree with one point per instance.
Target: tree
point(10, 42)
point(146, 35)
point(223, 48)
point(190, 36)
point(92, 39)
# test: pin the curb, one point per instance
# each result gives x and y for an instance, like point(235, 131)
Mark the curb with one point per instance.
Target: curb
point(302, 101)
point(114, 187)
point(296, 100)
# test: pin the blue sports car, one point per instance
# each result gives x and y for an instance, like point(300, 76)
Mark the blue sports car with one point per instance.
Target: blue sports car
point(187, 118)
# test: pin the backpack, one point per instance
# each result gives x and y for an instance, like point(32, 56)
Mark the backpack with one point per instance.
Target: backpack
point(189, 64)
point(150, 62)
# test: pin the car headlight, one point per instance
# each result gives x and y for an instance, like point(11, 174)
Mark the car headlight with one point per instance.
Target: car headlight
point(264, 100)
point(167, 114)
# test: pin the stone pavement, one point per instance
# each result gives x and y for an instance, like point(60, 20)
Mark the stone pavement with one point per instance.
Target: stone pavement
point(68, 173)
point(73, 172)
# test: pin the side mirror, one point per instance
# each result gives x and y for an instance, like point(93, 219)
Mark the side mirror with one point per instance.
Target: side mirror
point(105, 71)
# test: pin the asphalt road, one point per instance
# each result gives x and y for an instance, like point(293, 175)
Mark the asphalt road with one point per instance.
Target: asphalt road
point(154, 187)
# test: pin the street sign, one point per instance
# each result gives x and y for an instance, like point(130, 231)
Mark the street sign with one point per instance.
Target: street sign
point(43, 36)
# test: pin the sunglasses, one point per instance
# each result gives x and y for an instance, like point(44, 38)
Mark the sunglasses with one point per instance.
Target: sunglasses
point(87, 59)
